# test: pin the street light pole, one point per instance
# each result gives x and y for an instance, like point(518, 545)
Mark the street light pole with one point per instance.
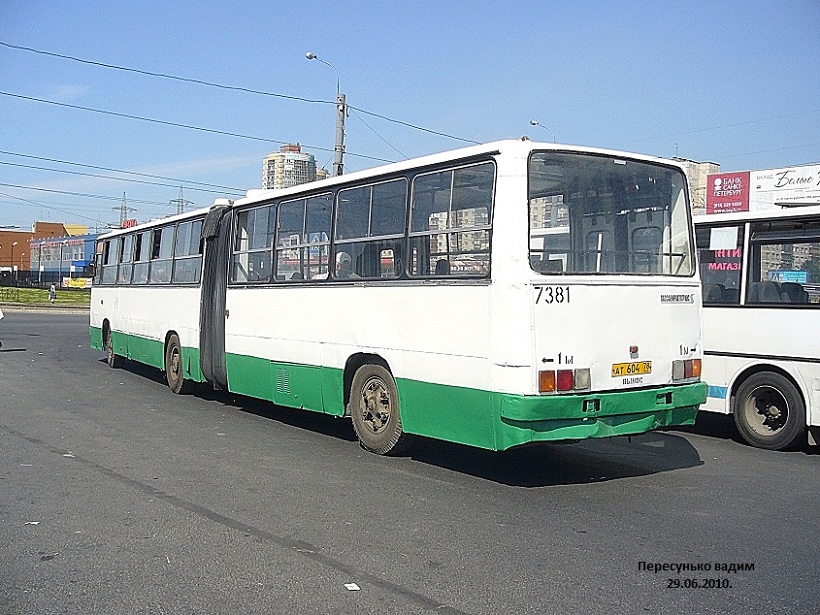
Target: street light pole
point(60, 281)
point(537, 123)
point(13, 268)
point(341, 113)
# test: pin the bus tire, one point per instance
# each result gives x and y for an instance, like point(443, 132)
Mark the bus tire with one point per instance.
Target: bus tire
point(112, 358)
point(374, 410)
point(769, 412)
point(174, 372)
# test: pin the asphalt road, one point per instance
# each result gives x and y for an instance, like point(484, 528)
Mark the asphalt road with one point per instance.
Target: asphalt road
point(118, 497)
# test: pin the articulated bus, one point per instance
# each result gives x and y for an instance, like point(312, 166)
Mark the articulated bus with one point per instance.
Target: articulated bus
point(493, 296)
point(761, 296)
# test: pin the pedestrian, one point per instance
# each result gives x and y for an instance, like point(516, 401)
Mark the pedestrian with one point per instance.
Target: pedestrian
point(52, 293)
point(1, 318)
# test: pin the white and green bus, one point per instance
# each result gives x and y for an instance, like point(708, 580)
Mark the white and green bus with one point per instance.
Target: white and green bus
point(494, 296)
point(761, 298)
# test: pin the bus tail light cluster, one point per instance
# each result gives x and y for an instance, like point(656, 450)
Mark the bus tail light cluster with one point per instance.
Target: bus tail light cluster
point(686, 369)
point(563, 380)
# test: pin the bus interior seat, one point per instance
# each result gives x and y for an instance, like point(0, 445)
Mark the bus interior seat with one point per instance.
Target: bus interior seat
point(766, 291)
point(795, 292)
point(297, 275)
point(552, 265)
point(731, 295)
point(442, 267)
point(712, 293)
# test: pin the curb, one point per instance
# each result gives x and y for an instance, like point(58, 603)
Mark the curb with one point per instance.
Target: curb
point(43, 307)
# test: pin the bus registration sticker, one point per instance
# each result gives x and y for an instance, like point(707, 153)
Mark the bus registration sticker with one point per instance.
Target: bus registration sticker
point(628, 369)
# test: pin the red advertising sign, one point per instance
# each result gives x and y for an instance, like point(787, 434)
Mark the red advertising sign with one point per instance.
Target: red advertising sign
point(727, 192)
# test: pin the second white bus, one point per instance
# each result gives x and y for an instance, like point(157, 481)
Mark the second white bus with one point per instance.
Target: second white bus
point(761, 297)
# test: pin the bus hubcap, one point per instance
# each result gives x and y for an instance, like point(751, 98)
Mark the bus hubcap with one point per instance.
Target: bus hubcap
point(375, 405)
point(768, 410)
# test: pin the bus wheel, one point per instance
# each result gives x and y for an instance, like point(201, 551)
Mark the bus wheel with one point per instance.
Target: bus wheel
point(111, 357)
point(173, 366)
point(374, 409)
point(769, 412)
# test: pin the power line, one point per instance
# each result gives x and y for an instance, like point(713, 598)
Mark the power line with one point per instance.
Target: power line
point(176, 181)
point(28, 203)
point(433, 132)
point(109, 177)
point(80, 194)
point(178, 125)
point(724, 126)
point(165, 75)
point(390, 145)
point(232, 87)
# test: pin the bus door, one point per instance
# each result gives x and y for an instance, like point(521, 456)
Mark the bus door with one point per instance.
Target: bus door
point(215, 231)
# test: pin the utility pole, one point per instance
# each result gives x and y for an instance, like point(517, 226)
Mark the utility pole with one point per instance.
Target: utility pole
point(123, 209)
point(341, 113)
point(180, 202)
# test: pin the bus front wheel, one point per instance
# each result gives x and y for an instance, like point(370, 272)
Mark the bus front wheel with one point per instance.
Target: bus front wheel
point(174, 371)
point(769, 412)
point(374, 410)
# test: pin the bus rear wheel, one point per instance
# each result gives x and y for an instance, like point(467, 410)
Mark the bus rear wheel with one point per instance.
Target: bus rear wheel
point(374, 410)
point(111, 357)
point(769, 412)
point(174, 372)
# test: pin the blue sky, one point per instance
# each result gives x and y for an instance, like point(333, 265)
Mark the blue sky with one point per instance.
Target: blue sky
point(737, 83)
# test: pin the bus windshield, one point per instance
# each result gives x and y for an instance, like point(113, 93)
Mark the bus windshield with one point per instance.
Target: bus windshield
point(606, 215)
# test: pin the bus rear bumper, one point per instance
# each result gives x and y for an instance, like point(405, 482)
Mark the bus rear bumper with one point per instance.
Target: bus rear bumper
point(527, 419)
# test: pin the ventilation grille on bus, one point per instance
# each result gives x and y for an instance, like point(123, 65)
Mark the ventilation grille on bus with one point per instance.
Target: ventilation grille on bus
point(283, 381)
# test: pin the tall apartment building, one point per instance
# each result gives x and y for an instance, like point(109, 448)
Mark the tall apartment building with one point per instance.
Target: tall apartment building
point(288, 167)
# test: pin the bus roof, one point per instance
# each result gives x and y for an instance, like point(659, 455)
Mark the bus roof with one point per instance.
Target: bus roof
point(760, 214)
point(516, 147)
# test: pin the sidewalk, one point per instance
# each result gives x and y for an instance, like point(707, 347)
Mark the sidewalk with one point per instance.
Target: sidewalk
point(57, 308)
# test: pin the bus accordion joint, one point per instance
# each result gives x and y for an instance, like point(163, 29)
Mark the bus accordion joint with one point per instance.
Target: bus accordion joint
point(563, 380)
point(688, 369)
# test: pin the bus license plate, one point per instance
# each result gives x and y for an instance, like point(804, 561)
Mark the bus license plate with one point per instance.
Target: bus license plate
point(628, 369)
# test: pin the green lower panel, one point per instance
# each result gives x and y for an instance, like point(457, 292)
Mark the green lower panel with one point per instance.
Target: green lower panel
point(140, 349)
point(454, 414)
point(495, 421)
point(499, 421)
point(286, 384)
point(148, 351)
point(558, 417)
point(95, 333)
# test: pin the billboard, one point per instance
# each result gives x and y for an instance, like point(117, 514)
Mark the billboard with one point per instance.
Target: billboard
point(760, 190)
point(727, 192)
point(789, 185)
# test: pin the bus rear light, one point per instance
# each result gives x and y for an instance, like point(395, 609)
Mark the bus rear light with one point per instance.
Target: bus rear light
point(564, 380)
point(686, 369)
point(546, 381)
point(582, 379)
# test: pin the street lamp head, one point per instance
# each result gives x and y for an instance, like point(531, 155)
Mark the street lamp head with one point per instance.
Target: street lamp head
point(537, 123)
point(311, 56)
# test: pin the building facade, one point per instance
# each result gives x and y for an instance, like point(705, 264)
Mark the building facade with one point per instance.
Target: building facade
point(290, 166)
point(698, 175)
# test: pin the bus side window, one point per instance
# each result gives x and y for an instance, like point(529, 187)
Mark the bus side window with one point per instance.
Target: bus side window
point(111, 252)
point(450, 220)
point(369, 221)
point(142, 254)
point(162, 251)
